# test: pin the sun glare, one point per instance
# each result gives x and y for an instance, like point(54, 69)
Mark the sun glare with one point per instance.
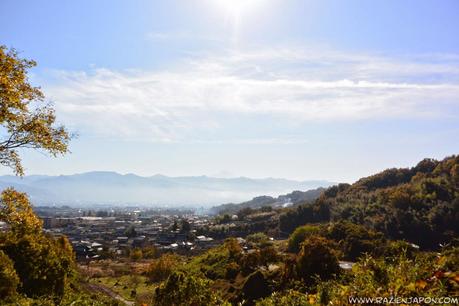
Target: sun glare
point(238, 7)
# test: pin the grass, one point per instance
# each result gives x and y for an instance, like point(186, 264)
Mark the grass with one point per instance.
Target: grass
point(123, 285)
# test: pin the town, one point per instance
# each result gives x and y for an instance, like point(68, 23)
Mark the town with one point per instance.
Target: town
point(115, 232)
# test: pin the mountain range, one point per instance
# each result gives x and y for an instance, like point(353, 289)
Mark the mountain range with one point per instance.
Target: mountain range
point(101, 187)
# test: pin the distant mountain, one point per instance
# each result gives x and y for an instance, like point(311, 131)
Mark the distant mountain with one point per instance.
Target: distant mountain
point(117, 189)
point(286, 200)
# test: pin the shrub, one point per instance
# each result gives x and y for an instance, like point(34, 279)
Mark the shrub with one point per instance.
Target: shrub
point(258, 239)
point(427, 275)
point(356, 240)
point(288, 298)
point(299, 235)
point(149, 252)
point(213, 263)
point(135, 254)
point(255, 286)
point(182, 289)
point(161, 268)
point(232, 270)
point(317, 258)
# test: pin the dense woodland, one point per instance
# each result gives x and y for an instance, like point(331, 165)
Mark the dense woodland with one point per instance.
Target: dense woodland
point(419, 205)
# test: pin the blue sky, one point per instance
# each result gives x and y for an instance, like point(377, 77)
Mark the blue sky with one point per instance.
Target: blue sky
point(262, 88)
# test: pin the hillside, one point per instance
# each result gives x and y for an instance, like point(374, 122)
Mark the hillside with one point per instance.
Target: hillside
point(418, 204)
point(117, 189)
point(352, 241)
point(285, 200)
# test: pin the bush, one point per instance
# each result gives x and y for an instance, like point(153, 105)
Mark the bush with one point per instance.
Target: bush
point(182, 289)
point(232, 270)
point(356, 240)
point(317, 258)
point(396, 248)
point(213, 263)
point(299, 235)
point(161, 268)
point(288, 298)
point(149, 252)
point(255, 286)
point(258, 239)
point(135, 254)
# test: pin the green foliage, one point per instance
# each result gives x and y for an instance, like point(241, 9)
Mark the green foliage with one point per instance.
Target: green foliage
point(356, 240)
point(183, 289)
point(317, 258)
point(43, 264)
point(258, 258)
point(426, 275)
point(300, 234)
point(27, 123)
point(226, 218)
point(135, 254)
point(130, 231)
point(232, 270)
point(77, 296)
point(393, 249)
point(319, 211)
point(258, 239)
point(255, 287)
point(287, 298)
point(419, 205)
point(214, 262)
point(9, 280)
point(149, 252)
point(160, 269)
point(244, 212)
point(185, 226)
point(38, 267)
point(17, 213)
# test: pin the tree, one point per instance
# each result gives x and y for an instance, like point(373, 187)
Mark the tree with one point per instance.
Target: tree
point(317, 258)
point(9, 280)
point(36, 264)
point(17, 213)
point(299, 235)
point(160, 269)
point(130, 231)
point(43, 264)
point(185, 226)
point(25, 120)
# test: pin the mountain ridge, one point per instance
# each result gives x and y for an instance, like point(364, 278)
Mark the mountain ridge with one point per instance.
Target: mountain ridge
point(109, 187)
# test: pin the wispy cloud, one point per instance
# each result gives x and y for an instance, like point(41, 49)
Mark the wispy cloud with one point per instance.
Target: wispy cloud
point(193, 102)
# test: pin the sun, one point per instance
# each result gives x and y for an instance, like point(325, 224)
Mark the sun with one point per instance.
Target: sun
point(238, 7)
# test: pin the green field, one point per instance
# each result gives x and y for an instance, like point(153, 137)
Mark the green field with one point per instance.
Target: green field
point(124, 285)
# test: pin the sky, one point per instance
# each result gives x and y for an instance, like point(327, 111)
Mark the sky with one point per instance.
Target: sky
point(300, 89)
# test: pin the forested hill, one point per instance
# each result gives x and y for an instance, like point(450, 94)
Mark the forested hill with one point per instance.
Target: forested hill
point(418, 204)
point(285, 200)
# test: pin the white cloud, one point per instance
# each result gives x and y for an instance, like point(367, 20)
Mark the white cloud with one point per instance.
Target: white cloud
point(191, 103)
